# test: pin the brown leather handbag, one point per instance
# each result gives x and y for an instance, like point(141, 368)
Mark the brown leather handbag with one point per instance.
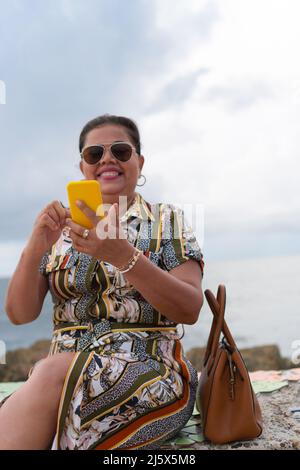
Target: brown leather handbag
point(225, 397)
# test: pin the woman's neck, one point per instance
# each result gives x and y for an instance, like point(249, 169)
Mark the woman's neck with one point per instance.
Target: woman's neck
point(113, 198)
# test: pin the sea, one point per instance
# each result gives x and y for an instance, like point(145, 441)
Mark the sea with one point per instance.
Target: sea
point(262, 306)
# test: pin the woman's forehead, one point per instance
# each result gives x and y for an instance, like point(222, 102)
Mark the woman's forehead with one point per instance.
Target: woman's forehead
point(107, 133)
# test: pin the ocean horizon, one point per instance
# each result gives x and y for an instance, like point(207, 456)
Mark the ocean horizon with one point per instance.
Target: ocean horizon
point(262, 306)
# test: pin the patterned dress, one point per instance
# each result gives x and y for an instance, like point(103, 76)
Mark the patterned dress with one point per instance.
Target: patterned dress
point(129, 385)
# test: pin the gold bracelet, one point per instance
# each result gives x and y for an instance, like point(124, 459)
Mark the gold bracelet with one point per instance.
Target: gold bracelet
point(131, 262)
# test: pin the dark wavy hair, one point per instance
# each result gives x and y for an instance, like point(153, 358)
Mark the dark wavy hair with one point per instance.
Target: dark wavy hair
point(128, 124)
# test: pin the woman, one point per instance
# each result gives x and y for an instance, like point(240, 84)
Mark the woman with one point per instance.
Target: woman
point(120, 380)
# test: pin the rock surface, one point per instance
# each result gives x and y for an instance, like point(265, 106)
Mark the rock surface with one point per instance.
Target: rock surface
point(19, 362)
point(281, 425)
point(266, 357)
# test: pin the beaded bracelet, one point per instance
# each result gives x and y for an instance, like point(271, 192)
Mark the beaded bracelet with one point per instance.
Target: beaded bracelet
point(125, 265)
point(131, 262)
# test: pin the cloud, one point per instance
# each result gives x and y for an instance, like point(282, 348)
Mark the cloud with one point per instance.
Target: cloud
point(215, 97)
point(237, 96)
point(177, 91)
point(66, 62)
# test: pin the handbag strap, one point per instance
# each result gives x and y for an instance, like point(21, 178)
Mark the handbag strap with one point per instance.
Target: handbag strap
point(219, 324)
point(218, 310)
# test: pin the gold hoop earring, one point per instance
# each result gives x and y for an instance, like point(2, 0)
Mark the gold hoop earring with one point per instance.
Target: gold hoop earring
point(143, 182)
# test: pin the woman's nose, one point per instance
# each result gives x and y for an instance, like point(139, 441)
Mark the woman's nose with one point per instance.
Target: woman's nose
point(107, 154)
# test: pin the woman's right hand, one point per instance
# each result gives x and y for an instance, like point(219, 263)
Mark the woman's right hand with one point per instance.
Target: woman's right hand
point(48, 226)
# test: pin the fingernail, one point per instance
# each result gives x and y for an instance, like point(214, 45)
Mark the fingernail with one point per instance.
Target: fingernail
point(78, 203)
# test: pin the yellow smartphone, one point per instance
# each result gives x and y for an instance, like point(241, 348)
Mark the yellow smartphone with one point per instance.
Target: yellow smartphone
point(88, 191)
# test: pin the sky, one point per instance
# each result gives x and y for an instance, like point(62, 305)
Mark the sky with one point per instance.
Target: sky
point(214, 87)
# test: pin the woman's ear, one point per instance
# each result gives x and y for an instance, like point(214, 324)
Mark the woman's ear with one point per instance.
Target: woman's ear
point(141, 162)
point(81, 167)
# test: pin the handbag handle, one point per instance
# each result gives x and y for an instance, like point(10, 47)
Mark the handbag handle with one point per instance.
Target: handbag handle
point(210, 297)
point(221, 296)
point(218, 310)
point(219, 324)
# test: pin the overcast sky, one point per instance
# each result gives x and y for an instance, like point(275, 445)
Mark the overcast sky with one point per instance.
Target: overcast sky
point(214, 87)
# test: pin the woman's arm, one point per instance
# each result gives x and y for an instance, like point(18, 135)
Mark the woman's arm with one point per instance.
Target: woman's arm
point(177, 293)
point(27, 288)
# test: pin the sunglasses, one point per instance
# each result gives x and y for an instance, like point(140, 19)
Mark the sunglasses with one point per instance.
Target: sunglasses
point(122, 151)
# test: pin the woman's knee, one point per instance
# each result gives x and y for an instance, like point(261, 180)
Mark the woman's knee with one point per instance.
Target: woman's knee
point(52, 370)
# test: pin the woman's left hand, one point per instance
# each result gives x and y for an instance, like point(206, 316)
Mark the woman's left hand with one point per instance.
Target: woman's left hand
point(106, 241)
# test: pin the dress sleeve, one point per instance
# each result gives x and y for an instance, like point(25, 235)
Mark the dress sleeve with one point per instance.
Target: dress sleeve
point(178, 240)
point(44, 262)
point(46, 258)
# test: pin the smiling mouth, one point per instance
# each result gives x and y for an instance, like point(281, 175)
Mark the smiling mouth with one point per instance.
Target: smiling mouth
point(109, 175)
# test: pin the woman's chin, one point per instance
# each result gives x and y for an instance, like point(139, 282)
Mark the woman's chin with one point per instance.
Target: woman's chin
point(110, 186)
